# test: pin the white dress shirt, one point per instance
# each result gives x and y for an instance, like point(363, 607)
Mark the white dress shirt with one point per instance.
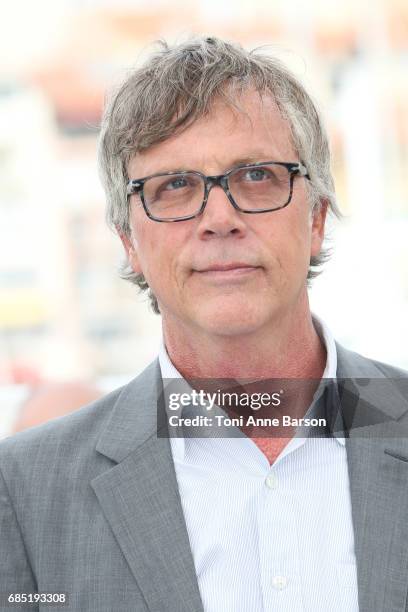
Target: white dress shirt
point(263, 537)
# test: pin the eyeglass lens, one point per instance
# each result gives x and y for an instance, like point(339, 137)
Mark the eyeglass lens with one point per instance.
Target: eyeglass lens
point(252, 188)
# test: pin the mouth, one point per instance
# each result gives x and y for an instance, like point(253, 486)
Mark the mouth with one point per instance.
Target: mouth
point(223, 272)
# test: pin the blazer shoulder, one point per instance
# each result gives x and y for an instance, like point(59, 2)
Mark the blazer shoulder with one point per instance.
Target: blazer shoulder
point(68, 428)
point(352, 364)
point(78, 430)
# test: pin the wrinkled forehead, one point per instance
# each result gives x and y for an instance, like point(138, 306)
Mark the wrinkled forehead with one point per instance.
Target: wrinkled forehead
point(249, 126)
point(248, 105)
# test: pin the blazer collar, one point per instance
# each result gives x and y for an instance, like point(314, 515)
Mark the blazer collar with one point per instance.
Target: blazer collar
point(381, 396)
point(135, 417)
point(375, 410)
point(140, 499)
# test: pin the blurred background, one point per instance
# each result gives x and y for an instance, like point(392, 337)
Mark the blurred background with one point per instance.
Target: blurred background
point(70, 329)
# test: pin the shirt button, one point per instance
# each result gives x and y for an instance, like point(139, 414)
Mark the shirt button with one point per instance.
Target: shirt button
point(279, 582)
point(271, 481)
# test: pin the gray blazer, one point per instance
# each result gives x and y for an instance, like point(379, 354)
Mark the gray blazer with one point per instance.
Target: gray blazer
point(89, 503)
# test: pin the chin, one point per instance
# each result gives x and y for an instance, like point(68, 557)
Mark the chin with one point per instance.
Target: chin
point(232, 319)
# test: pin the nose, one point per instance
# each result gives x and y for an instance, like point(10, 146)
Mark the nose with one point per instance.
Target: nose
point(220, 218)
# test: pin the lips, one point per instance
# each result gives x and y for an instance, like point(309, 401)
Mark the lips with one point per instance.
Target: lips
point(234, 273)
point(228, 267)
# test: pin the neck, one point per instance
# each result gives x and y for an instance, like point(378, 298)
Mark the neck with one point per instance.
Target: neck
point(290, 349)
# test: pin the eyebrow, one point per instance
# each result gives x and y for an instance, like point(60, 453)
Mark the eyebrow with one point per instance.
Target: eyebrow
point(248, 159)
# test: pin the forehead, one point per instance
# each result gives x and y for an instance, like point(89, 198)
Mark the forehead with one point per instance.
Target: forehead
point(251, 130)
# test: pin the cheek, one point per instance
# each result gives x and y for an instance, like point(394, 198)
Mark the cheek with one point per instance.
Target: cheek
point(150, 254)
point(159, 248)
point(291, 250)
point(143, 242)
point(293, 240)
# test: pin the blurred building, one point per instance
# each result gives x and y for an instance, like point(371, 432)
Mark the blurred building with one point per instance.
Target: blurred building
point(64, 313)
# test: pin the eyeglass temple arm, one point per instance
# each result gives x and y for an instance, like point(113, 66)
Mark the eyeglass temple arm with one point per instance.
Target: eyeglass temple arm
point(300, 170)
point(133, 187)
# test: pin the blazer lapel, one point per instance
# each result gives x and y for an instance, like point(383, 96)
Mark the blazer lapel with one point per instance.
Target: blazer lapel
point(377, 452)
point(140, 499)
point(379, 498)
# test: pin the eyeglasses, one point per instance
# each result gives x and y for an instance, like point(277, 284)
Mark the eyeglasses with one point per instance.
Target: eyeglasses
point(251, 188)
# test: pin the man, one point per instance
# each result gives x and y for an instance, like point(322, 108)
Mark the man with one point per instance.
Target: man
point(216, 169)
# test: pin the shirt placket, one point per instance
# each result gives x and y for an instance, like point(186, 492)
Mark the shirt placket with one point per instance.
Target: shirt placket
point(278, 544)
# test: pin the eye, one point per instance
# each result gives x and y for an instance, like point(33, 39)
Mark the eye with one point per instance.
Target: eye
point(256, 174)
point(271, 175)
point(177, 182)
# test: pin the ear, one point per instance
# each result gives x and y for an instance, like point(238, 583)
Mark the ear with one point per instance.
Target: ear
point(318, 225)
point(130, 246)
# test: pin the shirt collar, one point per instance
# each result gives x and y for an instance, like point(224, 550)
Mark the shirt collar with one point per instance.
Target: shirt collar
point(330, 371)
point(168, 370)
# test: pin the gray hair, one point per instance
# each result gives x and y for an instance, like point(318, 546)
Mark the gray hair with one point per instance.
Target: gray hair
point(176, 86)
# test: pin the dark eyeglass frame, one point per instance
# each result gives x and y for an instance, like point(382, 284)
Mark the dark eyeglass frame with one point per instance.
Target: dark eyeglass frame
point(135, 186)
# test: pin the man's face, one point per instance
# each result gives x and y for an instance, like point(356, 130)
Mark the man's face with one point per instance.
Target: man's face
point(269, 253)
